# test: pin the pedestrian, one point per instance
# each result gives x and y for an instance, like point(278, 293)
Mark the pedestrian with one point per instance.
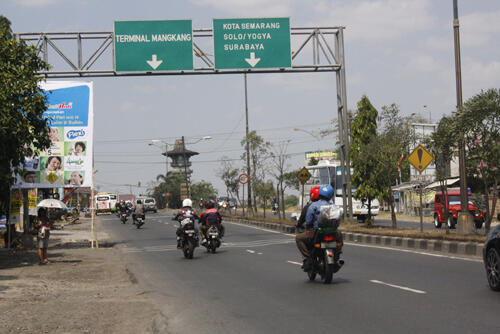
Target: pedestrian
point(42, 238)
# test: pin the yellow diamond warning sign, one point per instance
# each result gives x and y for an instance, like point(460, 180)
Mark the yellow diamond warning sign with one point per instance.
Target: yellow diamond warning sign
point(303, 175)
point(420, 158)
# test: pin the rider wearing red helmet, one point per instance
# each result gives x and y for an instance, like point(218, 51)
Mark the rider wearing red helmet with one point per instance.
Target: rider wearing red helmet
point(313, 197)
point(301, 237)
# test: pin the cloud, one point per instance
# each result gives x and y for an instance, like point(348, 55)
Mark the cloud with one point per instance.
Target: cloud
point(381, 20)
point(35, 3)
point(479, 75)
point(247, 8)
point(479, 29)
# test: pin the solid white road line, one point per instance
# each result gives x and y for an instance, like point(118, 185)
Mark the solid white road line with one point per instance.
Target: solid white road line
point(398, 287)
point(250, 251)
point(415, 252)
point(374, 246)
point(293, 262)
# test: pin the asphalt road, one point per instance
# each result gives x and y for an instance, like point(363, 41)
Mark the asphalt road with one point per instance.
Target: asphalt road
point(254, 285)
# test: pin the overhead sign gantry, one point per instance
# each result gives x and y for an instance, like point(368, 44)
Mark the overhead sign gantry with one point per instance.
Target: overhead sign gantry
point(148, 48)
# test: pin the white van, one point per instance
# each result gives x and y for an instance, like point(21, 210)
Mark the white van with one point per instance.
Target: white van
point(149, 203)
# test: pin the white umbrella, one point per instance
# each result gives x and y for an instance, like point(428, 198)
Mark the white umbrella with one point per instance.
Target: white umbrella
point(51, 203)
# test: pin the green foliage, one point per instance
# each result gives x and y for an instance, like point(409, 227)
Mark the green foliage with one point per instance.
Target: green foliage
point(202, 189)
point(363, 134)
point(291, 180)
point(170, 184)
point(259, 153)
point(291, 200)
point(264, 191)
point(442, 144)
point(229, 175)
point(479, 121)
point(313, 162)
point(22, 128)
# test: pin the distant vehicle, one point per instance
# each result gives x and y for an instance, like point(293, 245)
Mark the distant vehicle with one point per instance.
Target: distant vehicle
point(149, 203)
point(491, 258)
point(454, 207)
point(103, 203)
point(223, 203)
point(330, 172)
point(112, 201)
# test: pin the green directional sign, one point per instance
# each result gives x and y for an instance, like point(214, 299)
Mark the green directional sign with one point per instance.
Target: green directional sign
point(252, 43)
point(150, 46)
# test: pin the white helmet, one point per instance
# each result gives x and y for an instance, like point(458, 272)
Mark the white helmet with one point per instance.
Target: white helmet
point(187, 202)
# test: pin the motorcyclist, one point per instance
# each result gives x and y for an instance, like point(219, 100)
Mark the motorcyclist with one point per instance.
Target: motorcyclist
point(209, 217)
point(313, 197)
point(187, 211)
point(325, 194)
point(274, 205)
point(138, 211)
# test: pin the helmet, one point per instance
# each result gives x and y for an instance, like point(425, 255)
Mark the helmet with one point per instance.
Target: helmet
point(187, 202)
point(326, 191)
point(210, 204)
point(314, 193)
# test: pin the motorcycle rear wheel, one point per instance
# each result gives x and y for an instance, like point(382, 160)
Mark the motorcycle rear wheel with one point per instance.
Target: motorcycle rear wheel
point(188, 249)
point(213, 247)
point(311, 274)
point(328, 270)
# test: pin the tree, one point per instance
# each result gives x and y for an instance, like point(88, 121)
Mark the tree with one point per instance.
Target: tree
point(23, 129)
point(229, 175)
point(442, 144)
point(363, 132)
point(291, 200)
point(279, 159)
point(479, 120)
point(169, 190)
point(264, 191)
point(259, 152)
point(202, 189)
point(391, 143)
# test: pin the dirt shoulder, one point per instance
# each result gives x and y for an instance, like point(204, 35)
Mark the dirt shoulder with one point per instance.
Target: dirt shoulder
point(82, 290)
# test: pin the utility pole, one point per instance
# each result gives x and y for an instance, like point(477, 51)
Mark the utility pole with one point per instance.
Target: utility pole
point(465, 223)
point(249, 184)
point(185, 168)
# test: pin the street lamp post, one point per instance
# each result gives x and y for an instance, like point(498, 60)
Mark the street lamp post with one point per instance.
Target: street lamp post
point(151, 143)
point(185, 160)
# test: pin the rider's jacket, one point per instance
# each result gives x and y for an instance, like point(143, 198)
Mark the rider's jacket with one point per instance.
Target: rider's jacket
point(139, 209)
point(314, 211)
point(210, 217)
point(186, 212)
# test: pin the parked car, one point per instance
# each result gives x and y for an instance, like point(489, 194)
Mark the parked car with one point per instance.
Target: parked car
point(491, 258)
point(454, 208)
point(149, 203)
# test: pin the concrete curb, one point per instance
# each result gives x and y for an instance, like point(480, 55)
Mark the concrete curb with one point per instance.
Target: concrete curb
point(441, 246)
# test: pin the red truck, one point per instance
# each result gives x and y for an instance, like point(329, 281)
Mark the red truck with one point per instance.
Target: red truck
point(454, 209)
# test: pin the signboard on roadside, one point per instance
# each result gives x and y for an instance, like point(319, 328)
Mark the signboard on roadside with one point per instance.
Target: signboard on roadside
point(243, 178)
point(150, 46)
point(420, 158)
point(252, 43)
point(303, 175)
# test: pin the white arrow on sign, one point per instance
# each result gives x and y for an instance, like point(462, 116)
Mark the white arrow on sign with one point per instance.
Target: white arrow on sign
point(252, 60)
point(154, 62)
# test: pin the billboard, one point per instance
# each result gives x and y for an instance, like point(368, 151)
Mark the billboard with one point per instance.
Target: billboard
point(68, 160)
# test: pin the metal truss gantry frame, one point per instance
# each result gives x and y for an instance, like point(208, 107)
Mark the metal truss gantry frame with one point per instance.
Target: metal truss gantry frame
point(327, 56)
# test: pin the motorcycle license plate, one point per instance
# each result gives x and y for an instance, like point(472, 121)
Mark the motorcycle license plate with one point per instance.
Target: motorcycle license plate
point(214, 236)
point(357, 212)
point(328, 245)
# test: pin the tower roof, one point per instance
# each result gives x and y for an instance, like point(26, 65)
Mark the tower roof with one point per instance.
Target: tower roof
point(177, 151)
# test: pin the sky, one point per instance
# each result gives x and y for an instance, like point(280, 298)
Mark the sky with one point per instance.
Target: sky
point(396, 51)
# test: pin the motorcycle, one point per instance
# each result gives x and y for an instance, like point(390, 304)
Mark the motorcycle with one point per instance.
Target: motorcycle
point(325, 254)
point(123, 216)
point(188, 237)
point(275, 209)
point(139, 221)
point(213, 239)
